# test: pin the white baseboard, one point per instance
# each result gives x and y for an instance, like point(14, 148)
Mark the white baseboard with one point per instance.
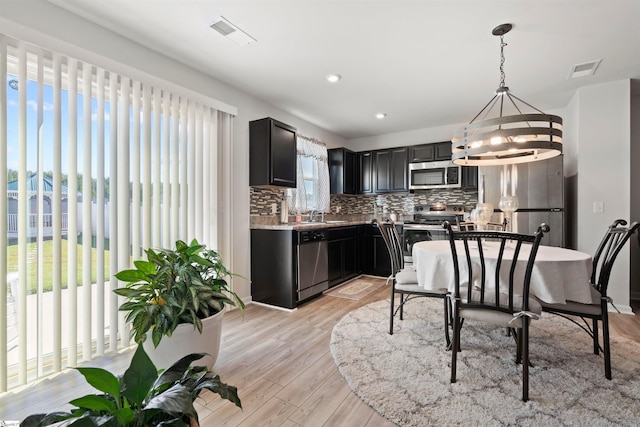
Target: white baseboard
point(624, 309)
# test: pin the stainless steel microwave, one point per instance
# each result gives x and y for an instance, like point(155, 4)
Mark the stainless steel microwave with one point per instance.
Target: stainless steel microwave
point(428, 175)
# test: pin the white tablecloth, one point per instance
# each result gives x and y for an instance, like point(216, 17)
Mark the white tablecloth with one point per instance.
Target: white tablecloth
point(559, 275)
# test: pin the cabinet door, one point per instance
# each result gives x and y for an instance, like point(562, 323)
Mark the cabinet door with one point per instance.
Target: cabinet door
point(382, 167)
point(334, 250)
point(381, 259)
point(336, 170)
point(376, 255)
point(283, 155)
point(469, 178)
point(350, 250)
point(366, 172)
point(442, 151)
point(272, 153)
point(350, 172)
point(342, 171)
point(399, 170)
point(422, 153)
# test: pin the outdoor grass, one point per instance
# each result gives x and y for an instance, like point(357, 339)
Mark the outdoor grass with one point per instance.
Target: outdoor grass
point(47, 260)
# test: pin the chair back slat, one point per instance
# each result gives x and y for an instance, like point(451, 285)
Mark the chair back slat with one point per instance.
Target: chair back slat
point(475, 243)
point(612, 243)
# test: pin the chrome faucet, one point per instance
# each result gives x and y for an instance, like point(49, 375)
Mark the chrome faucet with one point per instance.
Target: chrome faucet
point(312, 215)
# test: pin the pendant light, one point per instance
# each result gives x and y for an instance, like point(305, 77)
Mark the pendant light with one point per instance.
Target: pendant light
point(507, 139)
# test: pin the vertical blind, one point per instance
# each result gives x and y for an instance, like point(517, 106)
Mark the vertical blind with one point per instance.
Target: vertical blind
point(97, 167)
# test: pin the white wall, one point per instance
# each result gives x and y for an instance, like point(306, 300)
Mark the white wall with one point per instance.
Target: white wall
point(604, 136)
point(46, 25)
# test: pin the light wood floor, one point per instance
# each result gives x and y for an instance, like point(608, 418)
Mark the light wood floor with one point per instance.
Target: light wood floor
point(281, 363)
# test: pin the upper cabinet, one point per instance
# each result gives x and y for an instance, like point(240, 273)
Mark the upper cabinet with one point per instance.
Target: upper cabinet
point(430, 152)
point(365, 166)
point(469, 178)
point(343, 171)
point(390, 170)
point(272, 153)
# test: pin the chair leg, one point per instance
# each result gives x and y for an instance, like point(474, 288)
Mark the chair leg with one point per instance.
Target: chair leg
point(524, 333)
point(402, 299)
point(446, 322)
point(518, 336)
point(596, 345)
point(455, 344)
point(393, 292)
point(605, 338)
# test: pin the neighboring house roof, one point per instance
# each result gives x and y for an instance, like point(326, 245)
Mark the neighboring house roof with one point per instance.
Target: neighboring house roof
point(32, 185)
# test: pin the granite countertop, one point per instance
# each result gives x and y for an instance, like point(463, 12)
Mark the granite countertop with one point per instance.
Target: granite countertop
point(308, 225)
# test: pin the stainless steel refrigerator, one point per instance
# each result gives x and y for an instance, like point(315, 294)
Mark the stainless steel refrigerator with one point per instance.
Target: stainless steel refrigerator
point(539, 187)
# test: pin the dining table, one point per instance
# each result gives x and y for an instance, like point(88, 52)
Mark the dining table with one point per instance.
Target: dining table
point(559, 274)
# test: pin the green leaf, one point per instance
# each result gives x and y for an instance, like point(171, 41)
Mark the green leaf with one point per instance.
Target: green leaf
point(176, 400)
point(131, 276)
point(102, 380)
point(177, 370)
point(139, 377)
point(146, 267)
point(225, 391)
point(95, 403)
point(125, 416)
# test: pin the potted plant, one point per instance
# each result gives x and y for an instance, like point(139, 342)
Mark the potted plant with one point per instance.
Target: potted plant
point(140, 397)
point(173, 293)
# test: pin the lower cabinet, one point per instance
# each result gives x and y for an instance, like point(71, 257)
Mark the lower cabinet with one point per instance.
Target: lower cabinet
point(344, 253)
point(377, 261)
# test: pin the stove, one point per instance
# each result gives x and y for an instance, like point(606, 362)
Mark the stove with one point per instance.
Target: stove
point(435, 214)
point(427, 224)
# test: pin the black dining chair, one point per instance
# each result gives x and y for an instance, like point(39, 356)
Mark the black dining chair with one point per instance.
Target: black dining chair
point(480, 295)
point(614, 239)
point(404, 281)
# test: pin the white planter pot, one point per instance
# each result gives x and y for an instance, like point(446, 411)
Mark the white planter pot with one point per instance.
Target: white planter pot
point(186, 340)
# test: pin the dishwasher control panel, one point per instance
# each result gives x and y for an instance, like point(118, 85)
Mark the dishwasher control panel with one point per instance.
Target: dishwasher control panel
point(308, 236)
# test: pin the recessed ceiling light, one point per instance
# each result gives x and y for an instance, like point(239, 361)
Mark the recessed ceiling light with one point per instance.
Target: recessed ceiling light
point(231, 32)
point(381, 116)
point(334, 78)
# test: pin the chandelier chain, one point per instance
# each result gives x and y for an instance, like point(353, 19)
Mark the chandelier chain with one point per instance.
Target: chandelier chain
point(502, 75)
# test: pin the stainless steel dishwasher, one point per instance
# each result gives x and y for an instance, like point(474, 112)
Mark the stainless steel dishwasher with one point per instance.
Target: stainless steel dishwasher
point(312, 262)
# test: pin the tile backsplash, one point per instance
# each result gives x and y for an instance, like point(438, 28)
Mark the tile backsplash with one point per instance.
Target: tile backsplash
point(363, 204)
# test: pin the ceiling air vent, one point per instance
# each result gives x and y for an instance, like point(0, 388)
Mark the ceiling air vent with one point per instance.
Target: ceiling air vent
point(231, 32)
point(584, 69)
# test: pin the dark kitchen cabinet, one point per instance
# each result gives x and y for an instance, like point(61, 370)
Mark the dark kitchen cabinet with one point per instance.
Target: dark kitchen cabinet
point(469, 178)
point(390, 168)
point(343, 171)
point(377, 261)
point(442, 151)
point(344, 258)
point(365, 168)
point(272, 153)
point(273, 268)
point(430, 152)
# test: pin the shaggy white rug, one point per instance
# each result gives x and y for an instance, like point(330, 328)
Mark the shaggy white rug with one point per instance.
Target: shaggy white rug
point(405, 376)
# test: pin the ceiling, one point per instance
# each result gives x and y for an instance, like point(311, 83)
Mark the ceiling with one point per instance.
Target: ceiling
point(423, 63)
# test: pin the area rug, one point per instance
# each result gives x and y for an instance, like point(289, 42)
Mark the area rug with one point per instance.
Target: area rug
point(355, 290)
point(405, 376)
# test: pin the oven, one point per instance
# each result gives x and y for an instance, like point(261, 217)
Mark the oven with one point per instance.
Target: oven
point(427, 225)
